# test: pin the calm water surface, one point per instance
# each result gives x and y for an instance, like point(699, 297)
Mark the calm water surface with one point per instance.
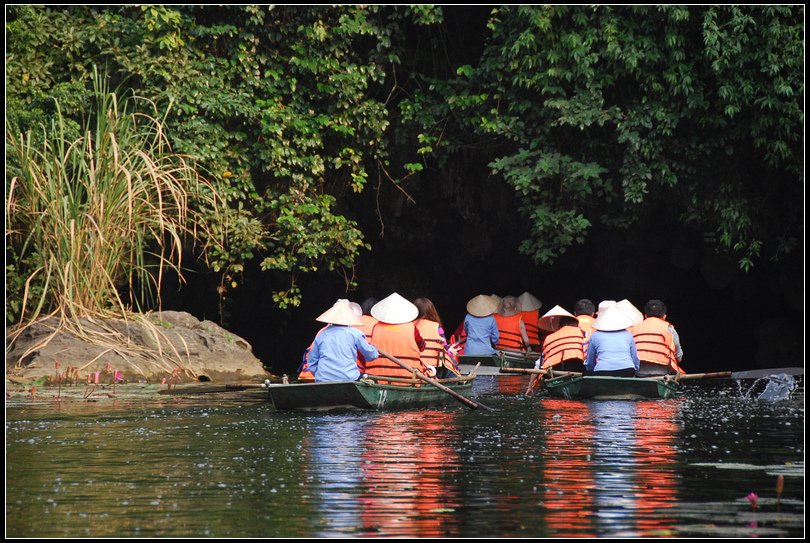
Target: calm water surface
point(538, 467)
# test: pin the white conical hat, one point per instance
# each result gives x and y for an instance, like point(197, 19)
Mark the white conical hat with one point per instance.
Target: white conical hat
point(508, 306)
point(340, 313)
point(612, 319)
point(603, 305)
point(354, 305)
point(482, 306)
point(551, 320)
point(394, 310)
point(528, 302)
point(631, 311)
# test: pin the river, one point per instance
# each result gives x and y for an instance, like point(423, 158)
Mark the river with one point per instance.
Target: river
point(231, 466)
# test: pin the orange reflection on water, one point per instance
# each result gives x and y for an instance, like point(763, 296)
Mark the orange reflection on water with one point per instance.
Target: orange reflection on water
point(655, 453)
point(405, 466)
point(567, 469)
point(609, 467)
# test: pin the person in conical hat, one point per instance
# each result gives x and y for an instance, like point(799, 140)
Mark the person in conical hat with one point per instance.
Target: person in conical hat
point(479, 329)
point(631, 310)
point(334, 352)
point(511, 328)
point(482, 306)
point(562, 349)
point(604, 304)
point(397, 335)
point(530, 312)
point(612, 350)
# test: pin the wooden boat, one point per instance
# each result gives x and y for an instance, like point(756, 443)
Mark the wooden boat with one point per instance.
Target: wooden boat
point(370, 392)
point(611, 388)
point(491, 364)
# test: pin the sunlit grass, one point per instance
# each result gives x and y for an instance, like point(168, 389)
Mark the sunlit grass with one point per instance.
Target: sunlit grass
point(94, 222)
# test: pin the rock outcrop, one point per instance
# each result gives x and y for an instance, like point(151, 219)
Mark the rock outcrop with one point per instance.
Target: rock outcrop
point(151, 347)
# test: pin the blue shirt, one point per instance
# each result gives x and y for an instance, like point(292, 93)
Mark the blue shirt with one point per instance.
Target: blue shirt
point(482, 334)
point(333, 356)
point(610, 351)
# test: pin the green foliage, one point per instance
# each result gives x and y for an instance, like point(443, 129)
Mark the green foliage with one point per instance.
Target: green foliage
point(605, 114)
point(281, 105)
point(93, 222)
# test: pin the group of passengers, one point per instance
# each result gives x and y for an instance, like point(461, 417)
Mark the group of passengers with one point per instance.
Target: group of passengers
point(615, 339)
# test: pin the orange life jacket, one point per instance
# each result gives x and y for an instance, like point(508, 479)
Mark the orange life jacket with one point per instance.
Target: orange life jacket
point(367, 326)
point(564, 344)
point(655, 343)
point(509, 332)
point(434, 342)
point(530, 319)
point(397, 340)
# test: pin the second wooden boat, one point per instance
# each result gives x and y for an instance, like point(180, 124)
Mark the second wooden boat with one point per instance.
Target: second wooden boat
point(611, 388)
point(492, 364)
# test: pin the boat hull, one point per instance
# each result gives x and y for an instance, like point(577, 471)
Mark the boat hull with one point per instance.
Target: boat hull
point(611, 388)
point(362, 395)
point(491, 364)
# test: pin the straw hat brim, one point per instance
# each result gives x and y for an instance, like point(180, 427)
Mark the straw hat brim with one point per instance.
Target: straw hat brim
point(631, 311)
point(482, 306)
point(341, 313)
point(551, 320)
point(612, 319)
point(394, 310)
point(528, 302)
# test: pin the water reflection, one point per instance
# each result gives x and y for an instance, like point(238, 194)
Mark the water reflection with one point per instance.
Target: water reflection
point(609, 467)
point(407, 466)
point(334, 446)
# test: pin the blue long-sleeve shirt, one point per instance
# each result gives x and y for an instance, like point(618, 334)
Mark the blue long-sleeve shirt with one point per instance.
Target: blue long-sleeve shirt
point(482, 334)
point(333, 356)
point(610, 351)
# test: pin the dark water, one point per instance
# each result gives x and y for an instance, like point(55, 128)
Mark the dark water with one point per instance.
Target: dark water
point(538, 467)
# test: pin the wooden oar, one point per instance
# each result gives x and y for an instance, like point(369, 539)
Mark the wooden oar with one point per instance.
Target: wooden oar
point(210, 389)
point(751, 374)
point(472, 404)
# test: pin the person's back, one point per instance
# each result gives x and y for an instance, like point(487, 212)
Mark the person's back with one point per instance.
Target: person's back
point(562, 348)
point(482, 333)
point(612, 350)
point(657, 342)
point(511, 328)
point(530, 313)
point(334, 352)
point(480, 328)
point(396, 335)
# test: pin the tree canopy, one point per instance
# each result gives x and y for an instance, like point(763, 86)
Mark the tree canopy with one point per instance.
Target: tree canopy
point(606, 115)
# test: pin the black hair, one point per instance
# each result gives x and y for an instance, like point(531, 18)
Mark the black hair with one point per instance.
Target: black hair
point(584, 307)
point(655, 308)
point(367, 304)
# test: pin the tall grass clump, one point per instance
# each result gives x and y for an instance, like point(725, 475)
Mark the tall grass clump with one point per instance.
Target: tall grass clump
point(95, 220)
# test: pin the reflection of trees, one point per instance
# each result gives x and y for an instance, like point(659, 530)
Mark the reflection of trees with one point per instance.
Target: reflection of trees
point(407, 468)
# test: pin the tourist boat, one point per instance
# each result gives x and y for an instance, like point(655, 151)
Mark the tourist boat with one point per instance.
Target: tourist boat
point(611, 388)
point(370, 392)
point(492, 364)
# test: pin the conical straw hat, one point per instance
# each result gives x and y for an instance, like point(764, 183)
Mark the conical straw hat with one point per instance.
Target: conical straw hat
point(482, 306)
point(528, 302)
point(340, 313)
point(603, 305)
point(394, 310)
point(612, 319)
point(508, 306)
point(631, 311)
point(354, 305)
point(551, 320)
